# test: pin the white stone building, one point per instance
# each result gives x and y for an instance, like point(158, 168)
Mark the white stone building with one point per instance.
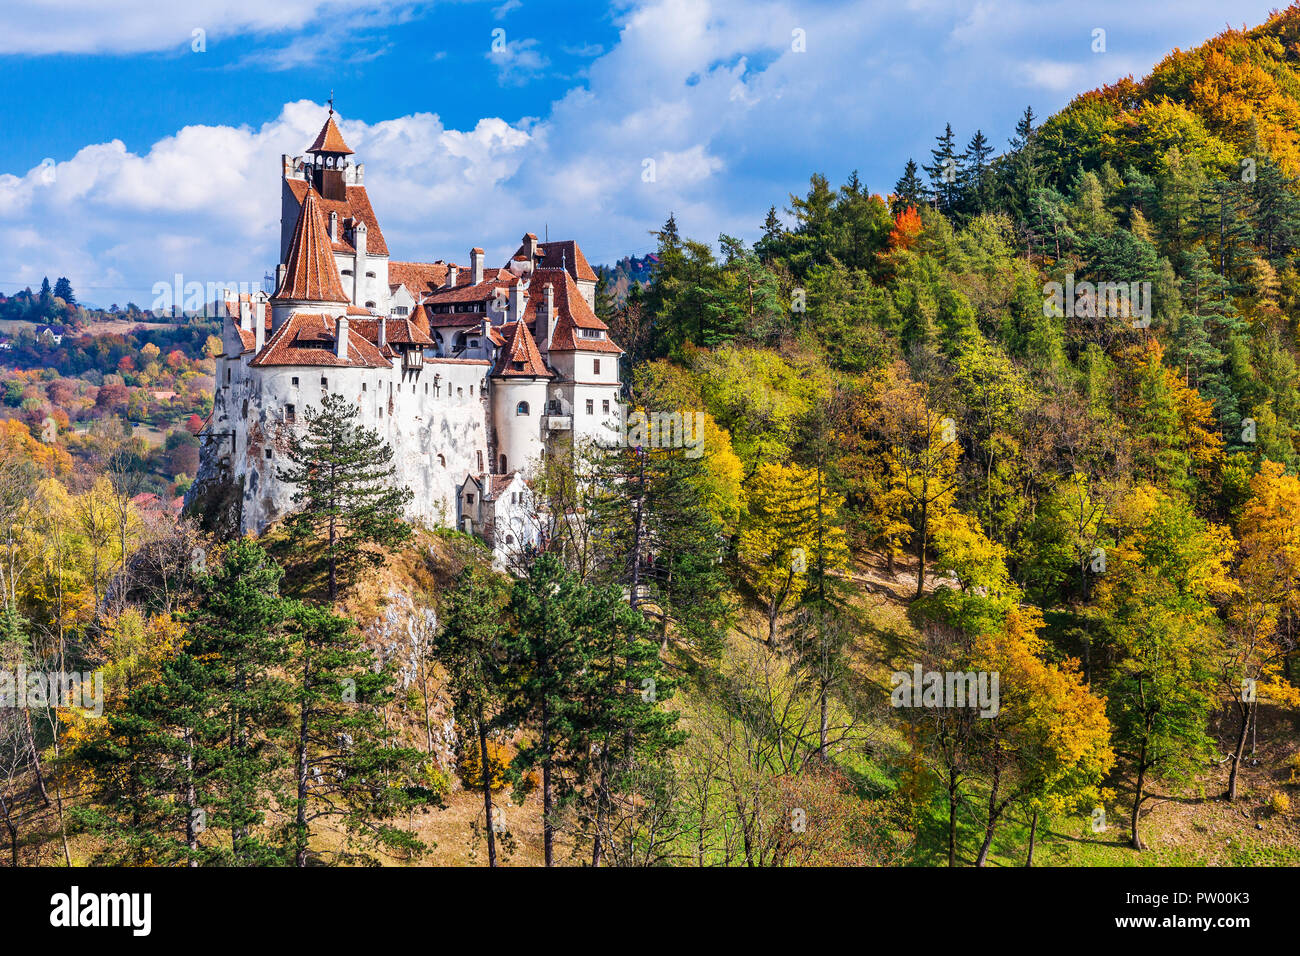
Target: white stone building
point(470, 372)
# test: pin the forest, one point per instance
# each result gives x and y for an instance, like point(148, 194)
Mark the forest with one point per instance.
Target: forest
point(1028, 416)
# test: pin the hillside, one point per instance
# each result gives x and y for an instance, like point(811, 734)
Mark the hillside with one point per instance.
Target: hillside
point(971, 536)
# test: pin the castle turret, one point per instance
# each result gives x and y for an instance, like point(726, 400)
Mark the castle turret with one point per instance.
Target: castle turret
point(309, 276)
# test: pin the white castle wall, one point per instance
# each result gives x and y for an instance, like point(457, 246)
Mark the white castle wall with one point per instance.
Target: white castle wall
point(434, 419)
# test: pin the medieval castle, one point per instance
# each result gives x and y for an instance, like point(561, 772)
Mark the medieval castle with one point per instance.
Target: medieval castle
point(469, 372)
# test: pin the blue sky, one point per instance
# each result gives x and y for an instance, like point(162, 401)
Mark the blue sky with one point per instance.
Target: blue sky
point(130, 156)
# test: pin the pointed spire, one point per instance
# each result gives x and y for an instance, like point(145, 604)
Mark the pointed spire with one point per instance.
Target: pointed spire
point(520, 356)
point(329, 139)
point(310, 274)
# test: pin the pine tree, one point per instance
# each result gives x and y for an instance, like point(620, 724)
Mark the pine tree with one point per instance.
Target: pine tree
point(63, 290)
point(975, 184)
point(471, 646)
point(346, 769)
point(350, 503)
point(658, 538)
point(909, 190)
point(233, 670)
point(548, 651)
point(945, 172)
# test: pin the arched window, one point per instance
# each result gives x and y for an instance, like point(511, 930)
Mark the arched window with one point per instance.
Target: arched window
point(442, 461)
point(503, 464)
point(521, 408)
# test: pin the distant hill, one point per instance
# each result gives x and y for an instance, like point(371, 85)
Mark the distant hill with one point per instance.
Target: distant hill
point(1234, 97)
point(626, 271)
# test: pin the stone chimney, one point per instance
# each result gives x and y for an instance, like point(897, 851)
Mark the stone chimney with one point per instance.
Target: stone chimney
point(245, 314)
point(548, 301)
point(359, 268)
point(341, 338)
point(259, 321)
point(383, 331)
point(516, 307)
point(476, 265)
point(453, 271)
point(334, 226)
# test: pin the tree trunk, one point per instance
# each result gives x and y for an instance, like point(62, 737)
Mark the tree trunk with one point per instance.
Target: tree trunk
point(994, 811)
point(1033, 834)
point(487, 787)
point(1136, 842)
point(300, 818)
point(548, 795)
point(952, 816)
point(1246, 713)
point(920, 550)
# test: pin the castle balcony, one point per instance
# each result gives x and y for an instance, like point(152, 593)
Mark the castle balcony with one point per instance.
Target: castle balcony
point(412, 358)
point(559, 423)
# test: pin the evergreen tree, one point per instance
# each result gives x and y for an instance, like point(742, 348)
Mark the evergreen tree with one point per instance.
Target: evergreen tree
point(232, 671)
point(349, 502)
point(946, 172)
point(909, 190)
point(975, 185)
point(346, 769)
point(63, 290)
point(548, 650)
point(471, 646)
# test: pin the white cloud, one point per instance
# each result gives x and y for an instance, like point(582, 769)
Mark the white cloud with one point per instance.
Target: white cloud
point(712, 91)
point(133, 26)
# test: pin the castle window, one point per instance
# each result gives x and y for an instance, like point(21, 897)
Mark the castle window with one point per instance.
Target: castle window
point(290, 413)
point(227, 376)
point(591, 406)
point(480, 461)
point(268, 453)
point(347, 272)
point(370, 275)
point(399, 310)
point(521, 408)
point(460, 393)
point(469, 497)
point(518, 366)
point(510, 539)
point(473, 343)
point(370, 305)
point(324, 383)
point(595, 366)
point(503, 464)
point(604, 406)
point(363, 386)
point(295, 381)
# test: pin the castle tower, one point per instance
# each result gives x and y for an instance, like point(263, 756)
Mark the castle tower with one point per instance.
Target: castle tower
point(519, 384)
point(308, 279)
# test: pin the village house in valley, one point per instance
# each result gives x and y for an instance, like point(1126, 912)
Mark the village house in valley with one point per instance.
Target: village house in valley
point(471, 372)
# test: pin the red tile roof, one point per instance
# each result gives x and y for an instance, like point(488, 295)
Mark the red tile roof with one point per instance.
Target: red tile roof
point(308, 339)
point(356, 208)
point(563, 254)
point(397, 331)
point(572, 313)
point(420, 278)
point(247, 336)
point(518, 357)
point(310, 274)
point(329, 139)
